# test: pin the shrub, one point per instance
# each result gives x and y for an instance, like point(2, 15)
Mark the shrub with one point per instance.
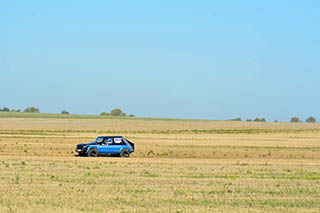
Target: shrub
point(295, 120)
point(65, 112)
point(311, 120)
point(32, 109)
point(132, 116)
point(249, 120)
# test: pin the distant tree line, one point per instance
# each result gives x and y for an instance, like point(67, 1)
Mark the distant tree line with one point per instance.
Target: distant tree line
point(116, 112)
point(293, 120)
point(28, 109)
point(255, 120)
point(119, 113)
point(235, 119)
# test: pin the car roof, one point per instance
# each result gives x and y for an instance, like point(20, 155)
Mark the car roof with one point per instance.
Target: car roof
point(110, 137)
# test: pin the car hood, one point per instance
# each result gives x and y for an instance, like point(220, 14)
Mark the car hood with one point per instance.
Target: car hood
point(86, 144)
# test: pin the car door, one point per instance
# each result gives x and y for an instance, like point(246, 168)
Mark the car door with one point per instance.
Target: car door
point(99, 144)
point(114, 145)
point(117, 141)
point(104, 146)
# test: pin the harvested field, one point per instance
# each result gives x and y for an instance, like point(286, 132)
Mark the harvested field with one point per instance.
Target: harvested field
point(178, 166)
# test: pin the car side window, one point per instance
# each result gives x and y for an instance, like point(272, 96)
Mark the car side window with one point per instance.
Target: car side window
point(109, 141)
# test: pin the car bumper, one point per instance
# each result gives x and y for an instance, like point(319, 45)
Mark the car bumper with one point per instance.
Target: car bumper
point(78, 150)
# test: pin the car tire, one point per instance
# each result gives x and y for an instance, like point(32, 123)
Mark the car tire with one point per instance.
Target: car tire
point(125, 153)
point(93, 152)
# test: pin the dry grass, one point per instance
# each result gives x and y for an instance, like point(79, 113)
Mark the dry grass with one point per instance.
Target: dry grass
point(179, 166)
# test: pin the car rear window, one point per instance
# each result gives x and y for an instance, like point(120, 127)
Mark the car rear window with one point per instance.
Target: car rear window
point(117, 140)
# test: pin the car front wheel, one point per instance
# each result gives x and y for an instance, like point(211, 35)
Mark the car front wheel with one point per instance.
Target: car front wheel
point(93, 152)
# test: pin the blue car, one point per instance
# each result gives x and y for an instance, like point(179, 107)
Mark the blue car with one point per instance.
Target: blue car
point(106, 146)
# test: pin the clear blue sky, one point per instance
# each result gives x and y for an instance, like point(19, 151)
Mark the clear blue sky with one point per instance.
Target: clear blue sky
point(180, 59)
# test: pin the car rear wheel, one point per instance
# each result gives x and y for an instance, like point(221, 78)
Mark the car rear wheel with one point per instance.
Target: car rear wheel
point(93, 152)
point(125, 153)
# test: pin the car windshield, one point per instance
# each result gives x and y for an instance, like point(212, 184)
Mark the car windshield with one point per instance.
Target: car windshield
point(98, 140)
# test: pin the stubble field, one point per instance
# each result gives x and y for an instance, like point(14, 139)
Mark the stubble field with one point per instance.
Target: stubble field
point(178, 166)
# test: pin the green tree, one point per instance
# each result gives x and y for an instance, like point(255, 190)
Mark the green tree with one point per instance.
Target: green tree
point(132, 116)
point(295, 120)
point(5, 109)
point(65, 112)
point(118, 112)
point(260, 120)
point(32, 109)
point(311, 120)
